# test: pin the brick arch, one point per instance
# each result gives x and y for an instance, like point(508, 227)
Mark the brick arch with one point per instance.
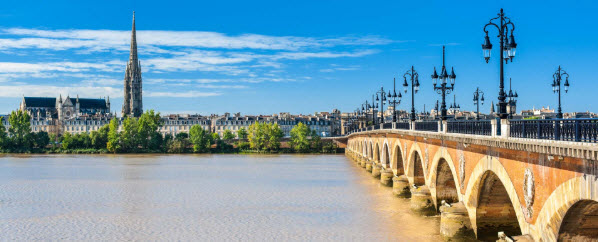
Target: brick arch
point(385, 160)
point(364, 148)
point(397, 160)
point(376, 152)
point(560, 201)
point(474, 186)
point(442, 155)
point(414, 161)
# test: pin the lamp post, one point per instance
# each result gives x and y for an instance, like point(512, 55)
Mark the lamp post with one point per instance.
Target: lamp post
point(381, 97)
point(365, 108)
point(443, 88)
point(511, 100)
point(455, 107)
point(394, 99)
point(557, 77)
point(507, 52)
point(412, 74)
point(476, 101)
point(374, 107)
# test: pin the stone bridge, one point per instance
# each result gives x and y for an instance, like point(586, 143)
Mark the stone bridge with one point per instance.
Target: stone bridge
point(529, 189)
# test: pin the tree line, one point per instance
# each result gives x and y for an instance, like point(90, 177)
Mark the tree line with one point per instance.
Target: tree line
point(141, 135)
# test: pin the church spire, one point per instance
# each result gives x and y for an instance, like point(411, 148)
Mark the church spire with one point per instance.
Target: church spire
point(133, 54)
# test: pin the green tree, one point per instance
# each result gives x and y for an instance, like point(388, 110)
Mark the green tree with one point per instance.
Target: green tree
point(53, 140)
point(299, 137)
point(42, 139)
point(147, 126)
point(256, 136)
point(200, 138)
point(4, 142)
point(316, 141)
point(20, 129)
point(128, 137)
point(274, 136)
point(113, 144)
point(242, 133)
point(99, 139)
point(67, 141)
point(228, 135)
point(181, 136)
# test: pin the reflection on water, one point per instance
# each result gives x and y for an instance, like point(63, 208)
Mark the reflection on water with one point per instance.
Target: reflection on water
point(200, 197)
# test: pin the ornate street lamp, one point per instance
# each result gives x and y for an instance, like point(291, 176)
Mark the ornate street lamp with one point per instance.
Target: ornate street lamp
point(443, 88)
point(412, 74)
point(478, 96)
point(374, 107)
point(381, 99)
point(511, 100)
point(394, 99)
point(507, 52)
point(557, 77)
point(454, 107)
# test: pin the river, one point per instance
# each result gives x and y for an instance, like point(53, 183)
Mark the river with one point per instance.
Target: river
point(201, 197)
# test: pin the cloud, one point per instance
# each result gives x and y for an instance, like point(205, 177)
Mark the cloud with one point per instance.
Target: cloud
point(187, 94)
point(335, 68)
point(54, 91)
point(17, 67)
point(103, 40)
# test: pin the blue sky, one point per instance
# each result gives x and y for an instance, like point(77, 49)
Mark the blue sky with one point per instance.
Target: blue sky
point(264, 57)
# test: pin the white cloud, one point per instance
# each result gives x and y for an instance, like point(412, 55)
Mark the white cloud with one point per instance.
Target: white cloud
point(187, 94)
point(53, 91)
point(101, 40)
point(17, 67)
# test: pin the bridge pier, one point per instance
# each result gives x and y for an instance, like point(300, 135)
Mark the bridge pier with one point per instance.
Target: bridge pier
point(421, 201)
point(376, 171)
point(455, 223)
point(400, 186)
point(363, 162)
point(386, 177)
point(368, 167)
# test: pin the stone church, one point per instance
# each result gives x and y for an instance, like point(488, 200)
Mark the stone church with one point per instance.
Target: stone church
point(133, 104)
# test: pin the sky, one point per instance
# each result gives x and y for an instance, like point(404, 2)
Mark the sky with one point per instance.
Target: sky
point(265, 57)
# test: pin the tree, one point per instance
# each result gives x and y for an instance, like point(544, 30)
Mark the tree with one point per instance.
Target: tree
point(113, 144)
point(242, 133)
point(42, 139)
point(199, 138)
point(67, 141)
point(228, 135)
point(128, 137)
point(99, 138)
point(299, 137)
point(274, 135)
point(20, 129)
point(4, 142)
point(256, 136)
point(53, 139)
point(147, 126)
point(181, 136)
point(316, 141)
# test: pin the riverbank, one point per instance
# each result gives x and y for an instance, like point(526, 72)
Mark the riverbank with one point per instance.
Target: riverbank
point(188, 151)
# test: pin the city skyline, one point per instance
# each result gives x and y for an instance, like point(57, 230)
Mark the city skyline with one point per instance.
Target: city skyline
point(231, 67)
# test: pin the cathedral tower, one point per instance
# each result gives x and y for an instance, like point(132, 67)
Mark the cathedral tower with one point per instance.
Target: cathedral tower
point(133, 104)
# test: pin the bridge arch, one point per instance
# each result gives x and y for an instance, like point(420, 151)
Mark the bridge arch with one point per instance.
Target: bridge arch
point(490, 194)
point(415, 166)
point(385, 160)
point(376, 154)
point(397, 164)
point(364, 150)
point(371, 150)
point(443, 179)
point(566, 200)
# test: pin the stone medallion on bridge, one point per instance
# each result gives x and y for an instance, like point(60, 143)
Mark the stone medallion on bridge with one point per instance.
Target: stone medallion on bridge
point(528, 192)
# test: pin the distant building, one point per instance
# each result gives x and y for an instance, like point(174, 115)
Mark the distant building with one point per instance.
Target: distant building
point(133, 93)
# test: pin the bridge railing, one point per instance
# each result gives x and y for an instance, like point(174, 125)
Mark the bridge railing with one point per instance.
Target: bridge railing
point(402, 125)
point(387, 126)
point(478, 127)
point(426, 126)
point(578, 130)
